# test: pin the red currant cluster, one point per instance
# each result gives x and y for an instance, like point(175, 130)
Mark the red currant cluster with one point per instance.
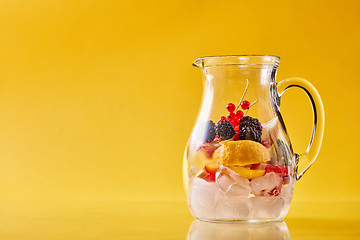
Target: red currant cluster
point(234, 117)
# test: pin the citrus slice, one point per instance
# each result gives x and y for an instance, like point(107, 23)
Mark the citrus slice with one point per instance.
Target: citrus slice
point(211, 168)
point(242, 152)
point(247, 172)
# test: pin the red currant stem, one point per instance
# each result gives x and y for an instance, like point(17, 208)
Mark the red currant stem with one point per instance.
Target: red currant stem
point(249, 107)
point(242, 98)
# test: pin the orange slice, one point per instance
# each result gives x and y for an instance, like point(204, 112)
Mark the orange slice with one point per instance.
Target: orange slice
point(211, 168)
point(247, 172)
point(242, 152)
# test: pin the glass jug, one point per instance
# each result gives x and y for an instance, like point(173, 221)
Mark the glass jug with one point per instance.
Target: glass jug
point(239, 164)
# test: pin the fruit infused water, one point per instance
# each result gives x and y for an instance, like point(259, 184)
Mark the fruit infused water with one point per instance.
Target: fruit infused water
point(239, 170)
point(239, 164)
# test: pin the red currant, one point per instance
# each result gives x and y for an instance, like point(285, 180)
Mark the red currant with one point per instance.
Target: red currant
point(239, 114)
point(265, 144)
point(236, 136)
point(231, 116)
point(230, 107)
point(245, 105)
point(222, 118)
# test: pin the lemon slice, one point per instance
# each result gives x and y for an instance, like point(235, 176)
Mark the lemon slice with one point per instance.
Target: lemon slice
point(247, 172)
point(242, 152)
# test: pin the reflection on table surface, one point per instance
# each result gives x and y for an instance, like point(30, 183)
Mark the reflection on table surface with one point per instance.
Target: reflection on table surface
point(115, 220)
point(238, 231)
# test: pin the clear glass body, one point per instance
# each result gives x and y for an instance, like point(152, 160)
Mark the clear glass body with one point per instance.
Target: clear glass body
point(239, 168)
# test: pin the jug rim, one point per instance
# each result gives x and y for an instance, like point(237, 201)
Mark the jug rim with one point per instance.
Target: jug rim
point(240, 60)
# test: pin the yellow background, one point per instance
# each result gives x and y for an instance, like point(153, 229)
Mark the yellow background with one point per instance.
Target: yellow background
point(98, 98)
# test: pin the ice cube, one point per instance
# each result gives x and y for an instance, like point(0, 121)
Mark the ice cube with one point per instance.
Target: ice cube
point(267, 185)
point(233, 208)
point(232, 183)
point(267, 207)
point(203, 197)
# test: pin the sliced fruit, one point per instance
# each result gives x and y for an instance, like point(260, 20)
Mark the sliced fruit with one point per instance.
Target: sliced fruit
point(209, 177)
point(242, 152)
point(226, 141)
point(258, 166)
point(282, 170)
point(247, 172)
point(211, 168)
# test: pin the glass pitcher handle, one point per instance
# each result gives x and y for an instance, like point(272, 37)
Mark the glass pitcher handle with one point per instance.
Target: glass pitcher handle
point(305, 160)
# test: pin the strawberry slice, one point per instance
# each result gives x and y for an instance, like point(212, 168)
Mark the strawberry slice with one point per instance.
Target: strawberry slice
point(209, 173)
point(210, 178)
point(282, 170)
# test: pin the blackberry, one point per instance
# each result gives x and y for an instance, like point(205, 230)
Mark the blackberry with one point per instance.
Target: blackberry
point(209, 131)
point(250, 129)
point(224, 130)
